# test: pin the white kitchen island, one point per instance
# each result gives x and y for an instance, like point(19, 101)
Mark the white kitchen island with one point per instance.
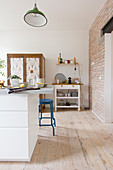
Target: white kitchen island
point(19, 123)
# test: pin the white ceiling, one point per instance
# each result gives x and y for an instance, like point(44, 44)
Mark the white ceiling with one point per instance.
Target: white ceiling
point(61, 14)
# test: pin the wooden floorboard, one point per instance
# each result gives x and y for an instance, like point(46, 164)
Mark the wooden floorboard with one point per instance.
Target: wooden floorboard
point(81, 142)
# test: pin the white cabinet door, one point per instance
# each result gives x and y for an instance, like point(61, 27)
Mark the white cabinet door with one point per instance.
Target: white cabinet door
point(13, 119)
point(14, 144)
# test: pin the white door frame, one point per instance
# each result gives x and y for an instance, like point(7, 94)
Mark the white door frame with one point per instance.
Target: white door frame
point(108, 78)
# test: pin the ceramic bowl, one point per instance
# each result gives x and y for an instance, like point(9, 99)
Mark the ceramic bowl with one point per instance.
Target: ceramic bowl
point(40, 80)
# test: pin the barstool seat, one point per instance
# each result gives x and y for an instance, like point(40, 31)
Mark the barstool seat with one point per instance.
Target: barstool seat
point(53, 123)
point(45, 101)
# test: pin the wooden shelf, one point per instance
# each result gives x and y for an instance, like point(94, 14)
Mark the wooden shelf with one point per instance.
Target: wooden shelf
point(66, 64)
point(67, 84)
point(67, 106)
point(67, 97)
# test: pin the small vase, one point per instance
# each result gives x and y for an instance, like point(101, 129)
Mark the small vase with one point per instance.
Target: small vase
point(14, 82)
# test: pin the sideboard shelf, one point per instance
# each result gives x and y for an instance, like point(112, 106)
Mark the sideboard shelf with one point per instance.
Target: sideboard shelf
point(67, 106)
point(67, 97)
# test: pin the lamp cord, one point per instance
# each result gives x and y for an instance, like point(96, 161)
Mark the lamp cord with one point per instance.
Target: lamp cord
point(81, 88)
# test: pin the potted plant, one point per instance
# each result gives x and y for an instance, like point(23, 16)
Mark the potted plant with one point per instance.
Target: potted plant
point(2, 66)
point(67, 103)
point(14, 80)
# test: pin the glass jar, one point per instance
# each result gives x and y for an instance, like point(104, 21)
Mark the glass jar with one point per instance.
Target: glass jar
point(31, 78)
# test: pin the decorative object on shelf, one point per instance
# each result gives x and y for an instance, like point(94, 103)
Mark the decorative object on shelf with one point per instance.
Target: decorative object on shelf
point(60, 59)
point(57, 81)
point(76, 81)
point(61, 77)
point(61, 102)
point(74, 94)
point(72, 61)
point(65, 61)
point(31, 78)
point(35, 17)
point(68, 61)
point(75, 60)
point(69, 80)
point(60, 94)
point(68, 94)
point(67, 103)
point(14, 80)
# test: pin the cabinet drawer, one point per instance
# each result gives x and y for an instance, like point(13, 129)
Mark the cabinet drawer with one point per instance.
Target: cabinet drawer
point(13, 144)
point(13, 119)
point(67, 86)
point(13, 102)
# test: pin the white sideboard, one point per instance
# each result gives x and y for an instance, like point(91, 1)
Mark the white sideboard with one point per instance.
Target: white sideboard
point(68, 87)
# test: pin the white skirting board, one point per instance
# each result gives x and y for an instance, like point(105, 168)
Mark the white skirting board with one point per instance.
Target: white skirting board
point(98, 116)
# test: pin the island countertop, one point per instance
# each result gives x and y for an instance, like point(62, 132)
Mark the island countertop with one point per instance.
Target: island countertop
point(44, 90)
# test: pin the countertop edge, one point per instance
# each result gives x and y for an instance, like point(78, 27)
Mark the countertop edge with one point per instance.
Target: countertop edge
point(44, 90)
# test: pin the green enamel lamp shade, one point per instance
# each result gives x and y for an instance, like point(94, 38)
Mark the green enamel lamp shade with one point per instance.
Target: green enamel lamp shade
point(35, 18)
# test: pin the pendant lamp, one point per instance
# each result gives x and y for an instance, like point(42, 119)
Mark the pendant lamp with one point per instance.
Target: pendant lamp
point(35, 17)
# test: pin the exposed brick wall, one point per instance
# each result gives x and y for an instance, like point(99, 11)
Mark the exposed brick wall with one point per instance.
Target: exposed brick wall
point(96, 55)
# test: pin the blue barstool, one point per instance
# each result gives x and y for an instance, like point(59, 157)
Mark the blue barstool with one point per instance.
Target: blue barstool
point(53, 123)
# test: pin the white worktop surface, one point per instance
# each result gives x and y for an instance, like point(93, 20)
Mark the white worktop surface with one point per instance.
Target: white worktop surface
point(44, 90)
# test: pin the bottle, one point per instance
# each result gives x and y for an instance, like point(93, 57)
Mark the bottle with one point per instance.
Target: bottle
point(69, 80)
point(60, 58)
point(31, 78)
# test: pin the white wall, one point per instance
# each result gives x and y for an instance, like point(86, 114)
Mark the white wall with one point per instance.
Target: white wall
point(70, 43)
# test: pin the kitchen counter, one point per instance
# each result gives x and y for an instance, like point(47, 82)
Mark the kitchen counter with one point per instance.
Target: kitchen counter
point(19, 123)
point(44, 90)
